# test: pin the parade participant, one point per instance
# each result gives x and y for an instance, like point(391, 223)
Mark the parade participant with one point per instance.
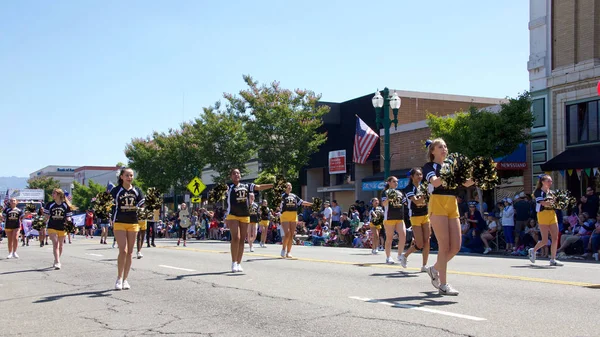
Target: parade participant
point(375, 229)
point(238, 215)
point(253, 227)
point(12, 216)
point(289, 218)
point(265, 216)
point(184, 223)
point(125, 223)
point(444, 217)
point(139, 238)
point(547, 221)
point(57, 214)
point(104, 225)
point(393, 210)
point(419, 219)
point(151, 228)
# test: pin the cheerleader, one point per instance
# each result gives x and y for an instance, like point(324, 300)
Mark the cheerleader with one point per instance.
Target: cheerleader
point(42, 231)
point(393, 217)
point(264, 216)
point(104, 224)
point(12, 217)
point(376, 210)
point(57, 214)
point(238, 215)
point(289, 218)
point(419, 218)
point(547, 221)
point(139, 238)
point(444, 217)
point(252, 228)
point(125, 223)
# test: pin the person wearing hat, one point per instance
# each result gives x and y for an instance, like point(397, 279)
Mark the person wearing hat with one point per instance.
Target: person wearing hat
point(490, 233)
point(521, 207)
point(327, 211)
point(508, 224)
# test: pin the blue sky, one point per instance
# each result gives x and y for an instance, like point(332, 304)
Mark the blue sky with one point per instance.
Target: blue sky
point(73, 71)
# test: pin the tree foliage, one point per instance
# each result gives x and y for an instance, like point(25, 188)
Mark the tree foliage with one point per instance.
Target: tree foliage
point(82, 195)
point(282, 124)
point(480, 132)
point(46, 183)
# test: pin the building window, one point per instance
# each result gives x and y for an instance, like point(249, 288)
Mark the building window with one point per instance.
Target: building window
point(539, 155)
point(582, 123)
point(538, 109)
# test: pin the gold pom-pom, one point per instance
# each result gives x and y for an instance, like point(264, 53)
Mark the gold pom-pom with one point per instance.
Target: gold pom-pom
point(217, 194)
point(152, 200)
point(456, 170)
point(102, 205)
point(316, 204)
point(484, 173)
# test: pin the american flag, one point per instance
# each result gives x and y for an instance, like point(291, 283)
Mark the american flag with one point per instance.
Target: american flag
point(69, 196)
point(364, 141)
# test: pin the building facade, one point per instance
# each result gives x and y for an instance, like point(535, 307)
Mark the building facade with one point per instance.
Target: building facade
point(365, 181)
point(64, 174)
point(102, 175)
point(564, 70)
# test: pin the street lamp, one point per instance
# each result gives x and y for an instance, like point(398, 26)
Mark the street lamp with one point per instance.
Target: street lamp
point(386, 102)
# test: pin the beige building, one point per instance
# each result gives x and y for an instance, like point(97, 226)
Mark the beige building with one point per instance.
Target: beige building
point(564, 70)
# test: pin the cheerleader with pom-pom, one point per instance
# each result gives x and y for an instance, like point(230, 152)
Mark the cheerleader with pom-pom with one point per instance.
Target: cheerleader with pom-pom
point(393, 205)
point(264, 217)
point(57, 213)
point(289, 218)
point(375, 223)
point(12, 216)
point(444, 218)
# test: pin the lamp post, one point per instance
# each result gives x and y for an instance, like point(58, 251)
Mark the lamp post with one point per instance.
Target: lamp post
point(384, 103)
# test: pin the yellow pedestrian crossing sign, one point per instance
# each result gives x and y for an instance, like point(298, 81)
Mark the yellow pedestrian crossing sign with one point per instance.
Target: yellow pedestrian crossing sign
point(196, 186)
point(196, 200)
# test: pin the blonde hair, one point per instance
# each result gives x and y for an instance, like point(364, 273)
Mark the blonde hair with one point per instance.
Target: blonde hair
point(542, 178)
point(432, 146)
point(61, 195)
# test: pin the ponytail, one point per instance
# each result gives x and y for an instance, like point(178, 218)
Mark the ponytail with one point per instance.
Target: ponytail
point(541, 179)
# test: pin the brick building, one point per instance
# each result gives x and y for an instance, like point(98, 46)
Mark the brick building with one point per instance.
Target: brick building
point(364, 181)
point(564, 70)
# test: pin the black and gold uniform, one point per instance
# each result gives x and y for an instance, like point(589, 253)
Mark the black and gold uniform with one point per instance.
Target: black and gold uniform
point(545, 215)
point(238, 202)
point(289, 207)
point(418, 214)
point(254, 213)
point(373, 215)
point(265, 217)
point(58, 215)
point(124, 215)
point(12, 218)
point(394, 211)
point(442, 200)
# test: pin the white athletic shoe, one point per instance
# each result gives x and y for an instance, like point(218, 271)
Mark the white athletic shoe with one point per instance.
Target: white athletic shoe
point(283, 253)
point(447, 289)
point(57, 266)
point(402, 259)
point(531, 255)
point(424, 269)
point(15, 255)
point(234, 267)
point(251, 249)
point(487, 251)
point(555, 263)
point(240, 269)
point(139, 255)
point(126, 285)
point(389, 260)
point(374, 251)
point(10, 256)
point(435, 277)
point(119, 284)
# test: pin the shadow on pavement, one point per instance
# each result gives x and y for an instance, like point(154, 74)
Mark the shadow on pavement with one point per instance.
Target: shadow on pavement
point(181, 277)
point(398, 274)
point(266, 259)
point(429, 299)
point(108, 260)
point(27, 271)
point(533, 266)
point(92, 294)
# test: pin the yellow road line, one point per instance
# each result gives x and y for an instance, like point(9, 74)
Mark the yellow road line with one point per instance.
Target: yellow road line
point(376, 265)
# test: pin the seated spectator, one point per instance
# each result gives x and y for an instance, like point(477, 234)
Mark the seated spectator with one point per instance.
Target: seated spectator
point(490, 233)
point(595, 240)
point(578, 234)
point(344, 230)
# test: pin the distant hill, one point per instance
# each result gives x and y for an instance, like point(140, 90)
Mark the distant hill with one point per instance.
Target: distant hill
point(12, 182)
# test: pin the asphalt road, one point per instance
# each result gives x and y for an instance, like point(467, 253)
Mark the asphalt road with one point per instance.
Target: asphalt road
point(324, 291)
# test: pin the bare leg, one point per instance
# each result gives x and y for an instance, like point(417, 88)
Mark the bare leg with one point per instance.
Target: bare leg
point(554, 238)
point(130, 244)
point(234, 230)
point(121, 237)
point(243, 232)
point(426, 228)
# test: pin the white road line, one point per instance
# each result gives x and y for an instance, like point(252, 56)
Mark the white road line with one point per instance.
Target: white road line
point(413, 307)
point(92, 254)
point(176, 268)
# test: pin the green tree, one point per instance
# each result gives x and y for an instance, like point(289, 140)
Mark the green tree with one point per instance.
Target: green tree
point(480, 132)
point(82, 195)
point(282, 124)
point(46, 183)
point(145, 157)
point(221, 135)
point(120, 164)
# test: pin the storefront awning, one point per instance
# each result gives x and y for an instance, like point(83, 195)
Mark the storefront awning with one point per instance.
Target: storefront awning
point(376, 182)
point(581, 157)
point(517, 160)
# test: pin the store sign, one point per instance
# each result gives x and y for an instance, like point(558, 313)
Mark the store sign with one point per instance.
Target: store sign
point(337, 162)
point(60, 169)
point(511, 166)
point(379, 185)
